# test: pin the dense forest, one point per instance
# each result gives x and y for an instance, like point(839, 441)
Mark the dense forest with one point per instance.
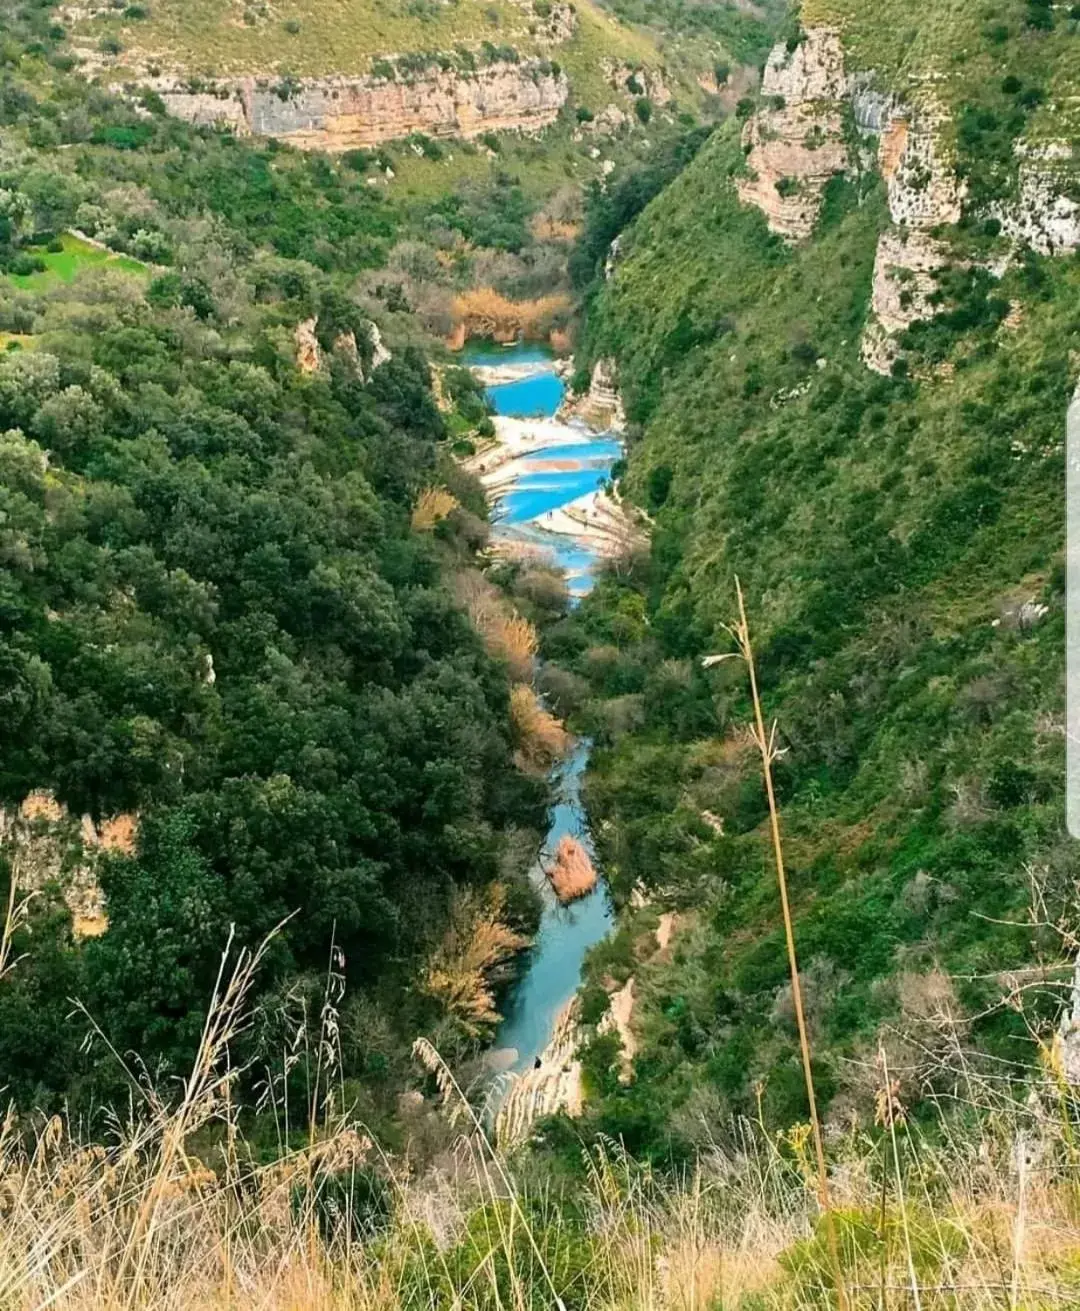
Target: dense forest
point(216, 614)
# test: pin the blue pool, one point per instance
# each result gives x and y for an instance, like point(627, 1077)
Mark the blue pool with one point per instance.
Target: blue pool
point(556, 957)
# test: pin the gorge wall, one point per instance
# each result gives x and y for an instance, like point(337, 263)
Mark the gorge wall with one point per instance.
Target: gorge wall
point(816, 120)
point(342, 113)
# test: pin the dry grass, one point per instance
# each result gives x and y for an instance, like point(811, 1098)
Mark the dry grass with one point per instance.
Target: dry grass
point(475, 949)
point(506, 634)
point(740, 1230)
point(572, 873)
point(483, 312)
point(973, 1212)
point(541, 738)
point(432, 505)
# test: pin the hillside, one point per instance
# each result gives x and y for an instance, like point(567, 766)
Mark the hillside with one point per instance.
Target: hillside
point(338, 76)
point(299, 730)
point(861, 414)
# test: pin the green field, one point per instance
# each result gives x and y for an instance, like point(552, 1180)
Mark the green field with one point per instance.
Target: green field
point(66, 265)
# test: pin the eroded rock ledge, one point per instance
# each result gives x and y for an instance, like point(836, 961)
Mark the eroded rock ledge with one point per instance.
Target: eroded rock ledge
point(795, 142)
point(343, 113)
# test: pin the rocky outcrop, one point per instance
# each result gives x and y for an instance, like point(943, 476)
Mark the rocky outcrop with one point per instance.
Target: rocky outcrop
point(1045, 215)
point(343, 113)
point(617, 1020)
point(924, 194)
point(50, 849)
point(923, 188)
point(906, 266)
point(601, 406)
point(380, 353)
point(310, 358)
point(795, 142)
point(636, 80)
point(553, 1085)
point(308, 351)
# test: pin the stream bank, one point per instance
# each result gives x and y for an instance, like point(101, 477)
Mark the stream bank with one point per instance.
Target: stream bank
point(539, 469)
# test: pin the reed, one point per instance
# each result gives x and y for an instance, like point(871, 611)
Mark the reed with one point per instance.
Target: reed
point(572, 873)
point(464, 969)
point(541, 739)
point(964, 1212)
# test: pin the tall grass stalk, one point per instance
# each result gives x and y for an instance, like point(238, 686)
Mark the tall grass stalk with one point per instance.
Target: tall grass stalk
point(766, 743)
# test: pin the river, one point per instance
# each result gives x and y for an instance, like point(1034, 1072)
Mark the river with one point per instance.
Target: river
point(555, 476)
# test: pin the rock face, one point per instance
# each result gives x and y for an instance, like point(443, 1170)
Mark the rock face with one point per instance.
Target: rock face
point(924, 194)
point(1045, 216)
point(49, 848)
point(308, 351)
point(554, 1085)
point(345, 113)
point(601, 407)
point(923, 189)
point(906, 265)
point(796, 142)
point(310, 358)
point(617, 1020)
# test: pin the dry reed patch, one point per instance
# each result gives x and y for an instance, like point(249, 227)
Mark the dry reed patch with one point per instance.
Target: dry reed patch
point(473, 954)
point(432, 505)
point(540, 736)
point(546, 228)
point(572, 872)
point(506, 634)
point(483, 312)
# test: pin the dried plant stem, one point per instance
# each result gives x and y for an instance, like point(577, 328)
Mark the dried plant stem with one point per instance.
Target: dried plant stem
point(890, 1115)
point(765, 744)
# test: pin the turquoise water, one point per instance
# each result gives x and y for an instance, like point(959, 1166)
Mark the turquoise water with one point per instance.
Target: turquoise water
point(480, 351)
point(555, 959)
point(529, 397)
point(566, 933)
point(535, 493)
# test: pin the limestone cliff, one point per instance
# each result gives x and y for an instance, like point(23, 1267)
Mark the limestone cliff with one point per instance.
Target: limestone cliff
point(1046, 213)
point(310, 357)
point(342, 113)
point(601, 406)
point(795, 141)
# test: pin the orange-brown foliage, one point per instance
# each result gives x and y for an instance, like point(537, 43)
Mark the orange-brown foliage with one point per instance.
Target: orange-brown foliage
point(572, 873)
point(483, 312)
point(541, 737)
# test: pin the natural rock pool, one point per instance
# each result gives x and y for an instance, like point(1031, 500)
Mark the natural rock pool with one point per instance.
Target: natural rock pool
point(543, 480)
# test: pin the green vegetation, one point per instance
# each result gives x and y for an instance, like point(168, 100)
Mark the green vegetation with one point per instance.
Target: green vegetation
point(309, 38)
point(744, 32)
point(73, 258)
point(216, 616)
point(971, 50)
point(900, 544)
